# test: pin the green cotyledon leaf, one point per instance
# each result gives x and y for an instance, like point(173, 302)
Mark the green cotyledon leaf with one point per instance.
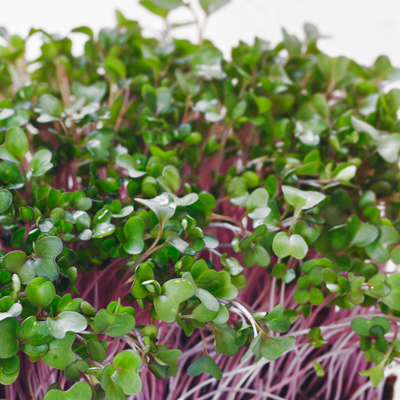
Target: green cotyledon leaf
point(41, 162)
point(359, 233)
point(393, 298)
point(9, 370)
point(46, 250)
point(8, 308)
point(273, 347)
point(5, 200)
point(134, 229)
point(34, 332)
point(163, 206)
point(75, 370)
point(224, 341)
point(9, 344)
point(111, 387)
point(66, 321)
point(302, 199)
point(17, 262)
point(205, 364)
point(285, 245)
point(144, 272)
point(50, 107)
point(127, 162)
point(375, 374)
point(80, 391)
point(15, 146)
point(40, 292)
point(126, 364)
point(170, 179)
point(60, 354)
point(173, 293)
point(113, 325)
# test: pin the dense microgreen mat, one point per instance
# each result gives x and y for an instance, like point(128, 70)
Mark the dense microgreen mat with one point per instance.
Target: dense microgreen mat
point(177, 225)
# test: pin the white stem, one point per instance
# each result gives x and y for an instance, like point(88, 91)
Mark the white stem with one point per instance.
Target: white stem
point(237, 312)
point(248, 315)
point(225, 225)
point(216, 252)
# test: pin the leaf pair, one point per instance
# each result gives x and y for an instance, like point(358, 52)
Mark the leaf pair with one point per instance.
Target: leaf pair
point(42, 263)
point(285, 245)
point(173, 293)
point(122, 377)
point(204, 364)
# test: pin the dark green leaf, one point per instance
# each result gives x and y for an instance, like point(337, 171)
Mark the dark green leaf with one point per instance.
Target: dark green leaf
point(15, 146)
point(204, 364)
point(80, 391)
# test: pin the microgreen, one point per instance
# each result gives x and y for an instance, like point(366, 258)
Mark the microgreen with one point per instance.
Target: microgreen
point(223, 226)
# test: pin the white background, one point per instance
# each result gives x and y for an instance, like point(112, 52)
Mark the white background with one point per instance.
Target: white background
point(358, 29)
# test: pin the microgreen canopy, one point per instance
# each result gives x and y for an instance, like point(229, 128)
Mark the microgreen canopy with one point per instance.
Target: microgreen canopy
point(167, 213)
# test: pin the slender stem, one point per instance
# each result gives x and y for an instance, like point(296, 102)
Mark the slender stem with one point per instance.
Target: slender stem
point(106, 270)
point(272, 294)
point(124, 108)
point(204, 342)
point(296, 215)
point(282, 295)
point(230, 219)
point(151, 250)
point(26, 234)
point(248, 315)
point(80, 338)
point(85, 378)
point(65, 129)
point(187, 107)
point(225, 133)
point(27, 183)
point(139, 338)
point(31, 392)
point(63, 83)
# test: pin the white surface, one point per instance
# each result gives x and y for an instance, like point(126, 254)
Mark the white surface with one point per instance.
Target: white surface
point(359, 29)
